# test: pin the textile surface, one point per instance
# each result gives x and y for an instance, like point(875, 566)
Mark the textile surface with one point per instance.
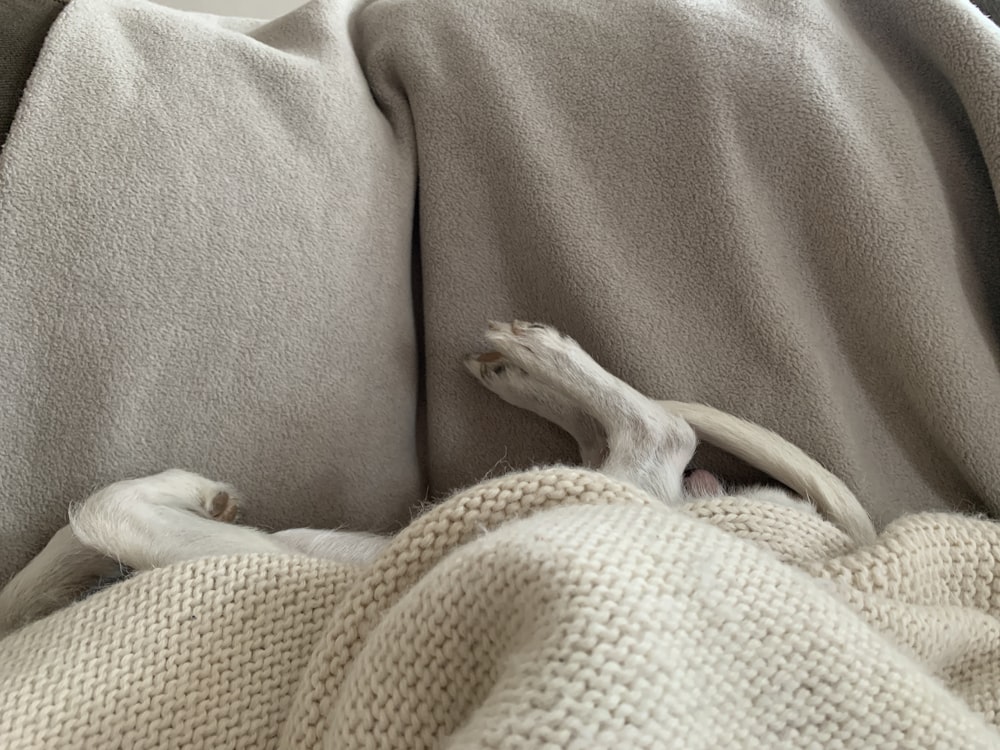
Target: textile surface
point(259, 251)
point(555, 608)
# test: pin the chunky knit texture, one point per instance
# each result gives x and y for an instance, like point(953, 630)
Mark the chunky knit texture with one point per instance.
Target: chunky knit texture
point(555, 608)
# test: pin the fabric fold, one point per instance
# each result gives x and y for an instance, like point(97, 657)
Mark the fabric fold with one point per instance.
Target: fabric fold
point(548, 607)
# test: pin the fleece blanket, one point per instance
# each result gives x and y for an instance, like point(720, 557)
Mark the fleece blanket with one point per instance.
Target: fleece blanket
point(553, 609)
point(258, 251)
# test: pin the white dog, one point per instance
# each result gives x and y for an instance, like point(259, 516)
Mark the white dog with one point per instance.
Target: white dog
point(176, 516)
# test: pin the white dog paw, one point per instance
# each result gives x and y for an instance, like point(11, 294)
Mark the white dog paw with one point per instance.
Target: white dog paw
point(173, 488)
point(489, 367)
point(498, 374)
point(534, 347)
point(205, 496)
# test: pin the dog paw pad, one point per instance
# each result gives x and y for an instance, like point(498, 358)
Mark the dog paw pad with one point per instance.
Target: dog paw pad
point(223, 507)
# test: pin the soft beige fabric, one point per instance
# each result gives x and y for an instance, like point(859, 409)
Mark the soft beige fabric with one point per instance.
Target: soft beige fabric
point(206, 264)
point(780, 208)
point(598, 619)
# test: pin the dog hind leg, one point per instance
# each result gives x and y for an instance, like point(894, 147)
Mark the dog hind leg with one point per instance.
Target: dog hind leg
point(534, 366)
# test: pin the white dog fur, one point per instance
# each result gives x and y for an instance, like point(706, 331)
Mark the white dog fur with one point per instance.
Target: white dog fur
point(175, 516)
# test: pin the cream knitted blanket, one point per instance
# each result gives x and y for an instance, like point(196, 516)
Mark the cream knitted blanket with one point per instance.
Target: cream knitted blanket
point(555, 608)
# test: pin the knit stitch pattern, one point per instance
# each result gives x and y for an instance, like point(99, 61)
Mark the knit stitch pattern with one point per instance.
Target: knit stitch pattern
point(549, 609)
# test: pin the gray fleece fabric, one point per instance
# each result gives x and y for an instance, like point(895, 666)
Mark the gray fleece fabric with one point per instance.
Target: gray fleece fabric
point(260, 251)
